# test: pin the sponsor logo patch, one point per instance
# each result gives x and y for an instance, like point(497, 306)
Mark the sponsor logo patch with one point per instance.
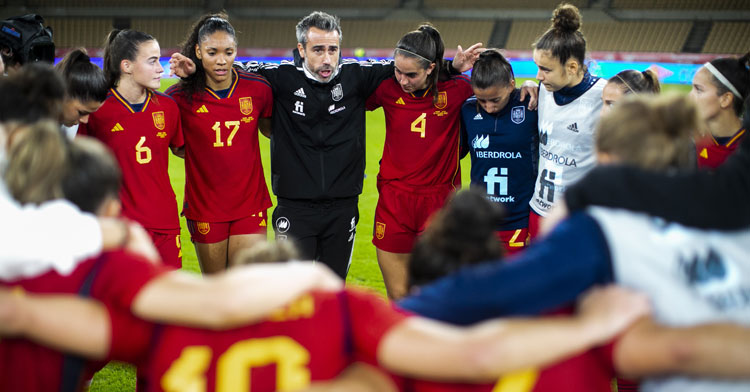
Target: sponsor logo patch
point(282, 224)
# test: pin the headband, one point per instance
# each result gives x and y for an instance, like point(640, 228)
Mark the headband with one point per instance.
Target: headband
point(415, 55)
point(626, 84)
point(710, 67)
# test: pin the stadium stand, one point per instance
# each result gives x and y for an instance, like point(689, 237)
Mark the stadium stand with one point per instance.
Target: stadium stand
point(728, 37)
point(266, 33)
point(385, 34)
point(76, 32)
point(169, 32)
point(509, 4)
point(611, 36)
point(114, 3)
point(681, 4)
point(313, 4)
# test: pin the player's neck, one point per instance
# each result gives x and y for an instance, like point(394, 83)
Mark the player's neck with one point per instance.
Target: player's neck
point(225, 84)
point(725, 124)
point(131, 91)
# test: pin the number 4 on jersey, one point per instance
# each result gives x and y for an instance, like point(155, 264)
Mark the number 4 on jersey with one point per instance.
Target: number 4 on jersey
point(420, 125)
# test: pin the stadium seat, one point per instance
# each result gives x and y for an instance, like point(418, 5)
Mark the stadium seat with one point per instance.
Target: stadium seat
point(728, 38)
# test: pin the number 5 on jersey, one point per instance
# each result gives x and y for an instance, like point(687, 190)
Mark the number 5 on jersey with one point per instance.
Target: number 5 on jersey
point(233, 125)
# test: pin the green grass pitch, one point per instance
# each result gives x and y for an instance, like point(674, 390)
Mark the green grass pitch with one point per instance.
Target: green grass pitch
point(364, 269)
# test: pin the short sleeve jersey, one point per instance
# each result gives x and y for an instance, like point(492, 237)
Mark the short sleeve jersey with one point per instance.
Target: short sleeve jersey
point(422, 134)
point(312, 339)
point(140, 139)
point(504, 150)
point(224, 173)
point(113, 278)
point(566, 142)
point(711, 153)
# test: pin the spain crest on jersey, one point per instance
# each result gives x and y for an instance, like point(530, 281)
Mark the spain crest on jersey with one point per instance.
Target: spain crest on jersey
point(246, 105)
point(517, 114)
point(379, 230)
point(442, 100)
point(337, 92)
point(159, 122)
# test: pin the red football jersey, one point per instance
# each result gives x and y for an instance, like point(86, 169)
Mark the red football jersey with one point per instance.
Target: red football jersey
point(590, 371)
point(587, 372)
point(314, 338)
point(140, 141)
point(113, 278)
point(422, 137)
point(711, 154)
point(224, 174)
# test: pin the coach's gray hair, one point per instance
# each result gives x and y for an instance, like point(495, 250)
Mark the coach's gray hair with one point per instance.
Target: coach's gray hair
point(319, 20)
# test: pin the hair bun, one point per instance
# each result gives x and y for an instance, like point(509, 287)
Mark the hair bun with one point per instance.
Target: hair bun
point(566, 18)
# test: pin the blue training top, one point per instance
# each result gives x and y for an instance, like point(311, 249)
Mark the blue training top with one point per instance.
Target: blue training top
point(547, 275)
point(504, 150)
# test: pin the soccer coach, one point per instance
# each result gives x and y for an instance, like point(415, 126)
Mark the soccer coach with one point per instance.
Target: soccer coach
point(318, 138)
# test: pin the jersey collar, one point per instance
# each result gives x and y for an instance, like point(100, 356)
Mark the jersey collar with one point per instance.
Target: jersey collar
point(235, 79)
point(127, 104)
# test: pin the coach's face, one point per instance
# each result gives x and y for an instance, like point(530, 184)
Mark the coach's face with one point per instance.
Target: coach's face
point(321, 53)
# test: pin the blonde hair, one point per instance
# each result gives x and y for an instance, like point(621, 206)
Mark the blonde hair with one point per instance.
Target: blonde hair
point(37, 162)
point(267, 252)
point(651, 132)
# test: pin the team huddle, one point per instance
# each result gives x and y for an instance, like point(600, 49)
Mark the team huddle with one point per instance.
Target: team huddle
point(622, 213)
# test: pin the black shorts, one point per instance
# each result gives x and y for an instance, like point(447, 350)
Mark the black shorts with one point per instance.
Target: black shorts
point(322, 230)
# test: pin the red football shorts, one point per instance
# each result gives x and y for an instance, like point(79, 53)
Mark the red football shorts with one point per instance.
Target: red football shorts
point(403, 212)
point(513, 241)
point(169, 246)
point(534, 221)
point(212, 232)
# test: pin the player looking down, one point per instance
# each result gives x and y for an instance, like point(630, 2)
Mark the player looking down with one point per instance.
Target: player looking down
point(569, 108)
point(502, 138)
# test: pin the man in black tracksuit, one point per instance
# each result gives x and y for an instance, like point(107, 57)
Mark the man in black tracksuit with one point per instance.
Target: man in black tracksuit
point(318, 141)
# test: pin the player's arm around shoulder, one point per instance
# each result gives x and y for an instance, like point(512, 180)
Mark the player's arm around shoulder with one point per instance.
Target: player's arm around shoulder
point(64, 322)
point(424, 348)
point(708, 350)
point(241, 295)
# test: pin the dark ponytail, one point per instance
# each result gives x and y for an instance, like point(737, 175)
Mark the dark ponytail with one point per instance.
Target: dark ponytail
point(737, 72)
point(84, 80)
point(636, 82)
point(491, 69)
point(121, 45)
point(205, 26)
point(564, 38)
point(425, 45)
